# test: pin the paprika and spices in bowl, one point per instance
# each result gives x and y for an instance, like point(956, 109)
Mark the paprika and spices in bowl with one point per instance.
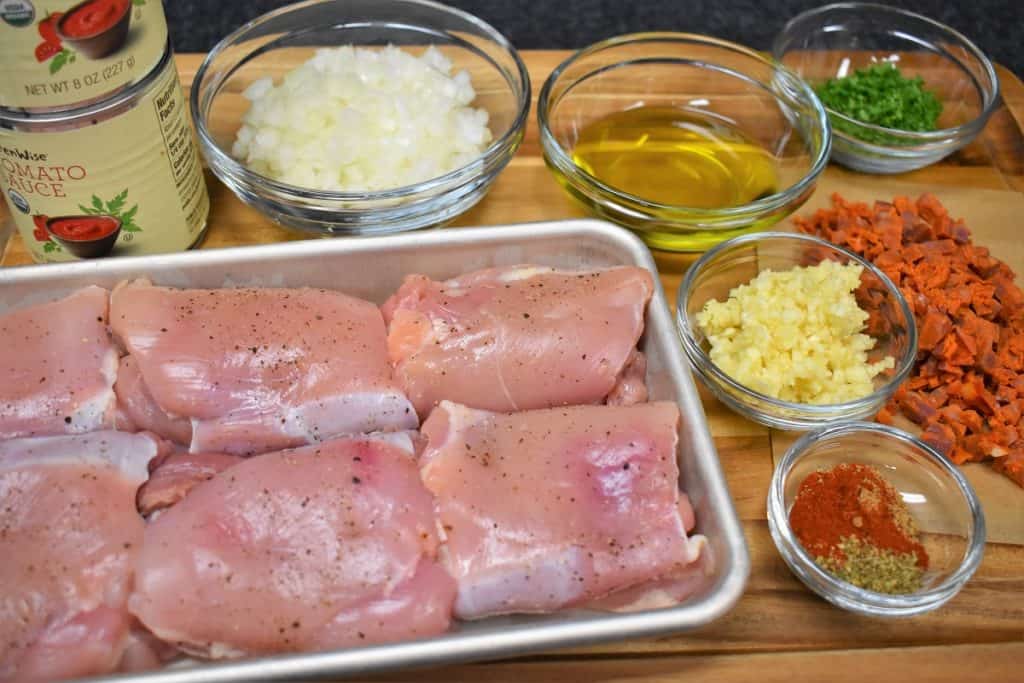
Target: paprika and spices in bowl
point(857, 527)
point(874, 520)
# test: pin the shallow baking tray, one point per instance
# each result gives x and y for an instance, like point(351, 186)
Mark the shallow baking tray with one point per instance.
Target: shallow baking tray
point(373, 268)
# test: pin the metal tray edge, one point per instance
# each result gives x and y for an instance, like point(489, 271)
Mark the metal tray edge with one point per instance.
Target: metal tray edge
point(455, 647)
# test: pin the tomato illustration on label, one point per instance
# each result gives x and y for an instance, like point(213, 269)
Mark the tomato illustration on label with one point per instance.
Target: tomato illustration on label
point(94, 232)
point(52, 49)
point(46, 50)
point(42, 234)
point(48, 28)
point(39, 220)
point(115, 208)
point(91, 234)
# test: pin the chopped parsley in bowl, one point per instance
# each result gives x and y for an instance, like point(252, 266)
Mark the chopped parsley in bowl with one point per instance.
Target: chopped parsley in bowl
point(902, 91)
point(880, 95)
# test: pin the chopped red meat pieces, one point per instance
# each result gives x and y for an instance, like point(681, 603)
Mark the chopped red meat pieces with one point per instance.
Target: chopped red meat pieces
point(967, 390)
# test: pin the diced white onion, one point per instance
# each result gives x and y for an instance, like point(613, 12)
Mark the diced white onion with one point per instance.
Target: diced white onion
point(361, 119)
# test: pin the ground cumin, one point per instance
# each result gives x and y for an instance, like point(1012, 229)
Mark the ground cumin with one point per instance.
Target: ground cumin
point(856, 526)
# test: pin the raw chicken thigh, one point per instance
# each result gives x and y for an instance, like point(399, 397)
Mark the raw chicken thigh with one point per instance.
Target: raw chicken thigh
point(260, 369)
point(517, 338)
point(138, 411)
point(60, 380)
point(310, 549)
point(555, 508)
point(273, 500)
point(173, 475)
point(69, 536)
point(632, 385)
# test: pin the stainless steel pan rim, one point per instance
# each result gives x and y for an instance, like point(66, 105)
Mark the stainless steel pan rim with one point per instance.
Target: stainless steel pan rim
point(369, 266)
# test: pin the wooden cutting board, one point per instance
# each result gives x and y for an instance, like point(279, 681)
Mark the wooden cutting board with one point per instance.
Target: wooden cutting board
point(779, 631)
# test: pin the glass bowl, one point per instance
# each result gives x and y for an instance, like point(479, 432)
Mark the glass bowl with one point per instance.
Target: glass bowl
point(834, 40)
point(736, 262)
point(941, 501)
point(709, 79)
point(278, 41)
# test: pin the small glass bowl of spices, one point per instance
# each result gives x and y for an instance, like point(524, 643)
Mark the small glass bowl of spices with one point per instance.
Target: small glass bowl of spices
point(902, 91)
point(874, 520)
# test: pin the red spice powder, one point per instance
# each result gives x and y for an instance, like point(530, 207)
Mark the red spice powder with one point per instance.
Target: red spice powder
point(852, 500)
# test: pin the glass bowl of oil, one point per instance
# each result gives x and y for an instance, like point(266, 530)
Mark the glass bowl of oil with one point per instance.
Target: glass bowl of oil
point(686, 139)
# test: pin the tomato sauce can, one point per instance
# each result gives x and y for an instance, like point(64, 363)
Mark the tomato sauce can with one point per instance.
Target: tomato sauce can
point(118, 177)
point(61, 54)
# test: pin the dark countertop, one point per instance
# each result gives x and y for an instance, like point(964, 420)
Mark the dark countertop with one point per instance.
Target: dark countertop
point(995, 25)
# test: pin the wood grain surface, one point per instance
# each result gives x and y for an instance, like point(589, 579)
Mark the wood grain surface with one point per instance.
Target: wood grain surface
point(779, 631)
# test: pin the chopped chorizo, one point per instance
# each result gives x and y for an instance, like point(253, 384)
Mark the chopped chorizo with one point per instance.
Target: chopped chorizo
point(966, 391)
point(934, 327)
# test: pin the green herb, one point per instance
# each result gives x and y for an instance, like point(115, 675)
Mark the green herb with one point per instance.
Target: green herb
point(882, 96)
point(50, 246)
point(867, 566)
point(138, 3)
point(65, 56)
point(114, 208)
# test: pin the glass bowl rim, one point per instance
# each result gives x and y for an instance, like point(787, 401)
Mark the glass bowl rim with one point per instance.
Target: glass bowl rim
point(823, 410)
point(990, 97)
point(223, 162)
point(557, 155)
point(794, 551)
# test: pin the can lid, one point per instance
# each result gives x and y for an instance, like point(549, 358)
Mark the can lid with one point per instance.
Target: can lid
point(124, 98)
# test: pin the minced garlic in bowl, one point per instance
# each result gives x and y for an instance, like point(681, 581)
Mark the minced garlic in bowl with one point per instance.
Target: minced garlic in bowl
point(795, 335)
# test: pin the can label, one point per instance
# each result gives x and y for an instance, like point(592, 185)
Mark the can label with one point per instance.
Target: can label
point(132, 184)
point(60, 53)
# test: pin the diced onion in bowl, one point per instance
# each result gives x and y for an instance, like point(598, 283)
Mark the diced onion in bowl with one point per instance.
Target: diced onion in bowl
point(360, 119)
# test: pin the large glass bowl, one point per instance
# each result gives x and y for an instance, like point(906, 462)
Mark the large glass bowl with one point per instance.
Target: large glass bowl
point(836, 40)
point(709, 77)
point(939, 498)
point(280, 40)
point(736, 262)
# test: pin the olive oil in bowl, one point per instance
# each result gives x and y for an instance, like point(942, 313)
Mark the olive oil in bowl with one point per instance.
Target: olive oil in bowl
point(677, 157)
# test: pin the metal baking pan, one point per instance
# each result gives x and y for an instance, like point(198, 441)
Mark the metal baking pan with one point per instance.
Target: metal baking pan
point(373, 268)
